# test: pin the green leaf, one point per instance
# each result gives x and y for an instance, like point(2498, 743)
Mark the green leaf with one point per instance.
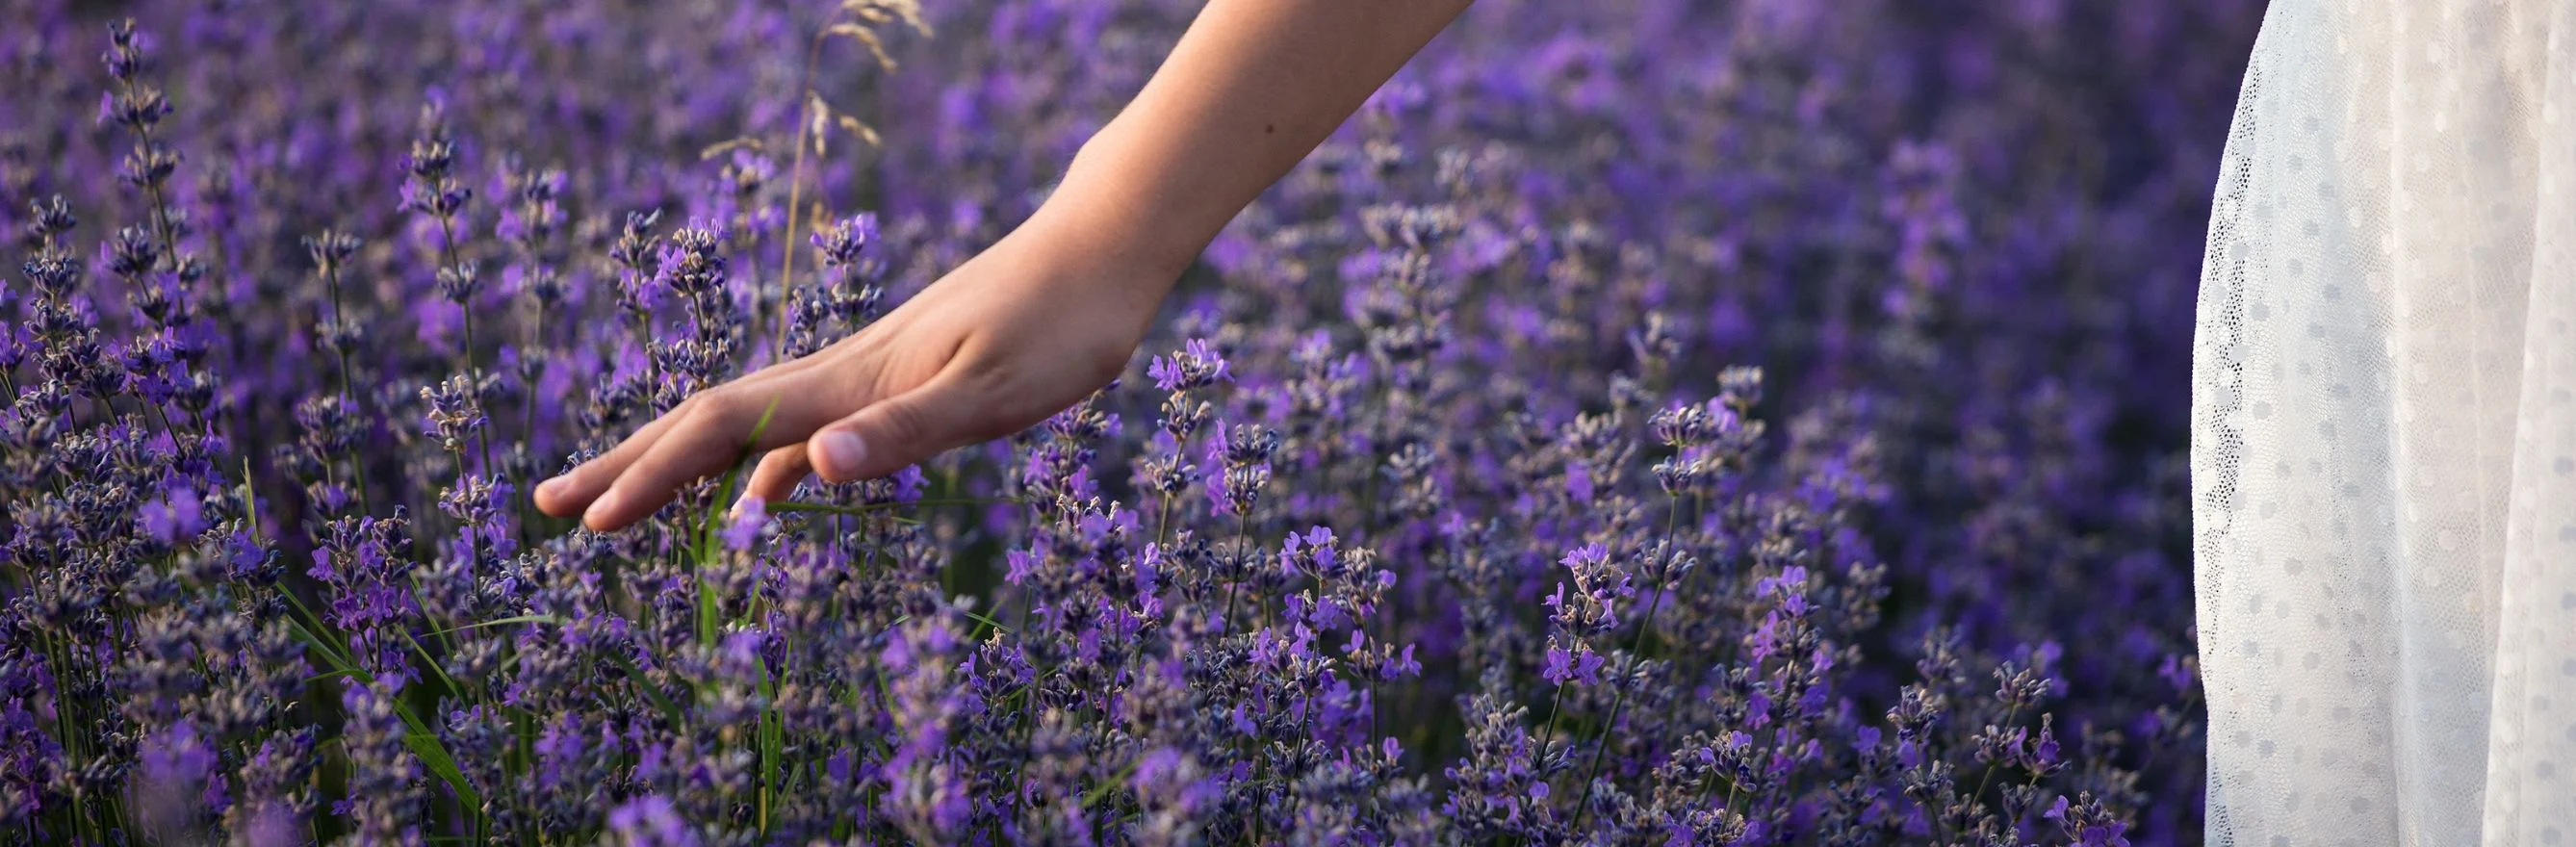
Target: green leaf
point(708, 612)
point(982, 623)
point(502, 622)
point(424, 744)
point(422, 741)
point(305, 629)
point(772, 738)
point(250, 502)
point(1103, 789)
point(733, 478)
point(661, 702)
point(429, 660)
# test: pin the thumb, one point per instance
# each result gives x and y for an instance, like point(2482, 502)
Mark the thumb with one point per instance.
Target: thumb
point(894, 432)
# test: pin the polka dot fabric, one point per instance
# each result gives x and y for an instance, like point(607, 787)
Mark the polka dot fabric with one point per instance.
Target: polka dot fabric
point(2384, 431)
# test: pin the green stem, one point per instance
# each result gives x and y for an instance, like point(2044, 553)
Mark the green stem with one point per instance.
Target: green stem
point(473, 369)
point(160, 206)
point(528, 420)
point(2009, 715)
point(796, 194)
point(1375, 705)
point(1239, 540)
point(1636, 641)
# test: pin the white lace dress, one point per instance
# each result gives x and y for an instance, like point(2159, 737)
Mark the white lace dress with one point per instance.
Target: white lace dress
point(2384, 430)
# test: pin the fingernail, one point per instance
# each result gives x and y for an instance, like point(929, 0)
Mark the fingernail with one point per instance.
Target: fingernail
point(547, 488)
point(600, 508)
point(841, 454)
point(740, 505)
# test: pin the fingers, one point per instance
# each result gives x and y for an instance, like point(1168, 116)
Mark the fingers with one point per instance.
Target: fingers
point(805, 432)
point(569, 494)
point(566, 495)
point(775, 478)
point(897, 431)
point(911, 428)
point(708, 440)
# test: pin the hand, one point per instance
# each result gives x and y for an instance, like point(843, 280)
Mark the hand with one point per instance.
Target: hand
point(1013, 336)
point(1055, 309)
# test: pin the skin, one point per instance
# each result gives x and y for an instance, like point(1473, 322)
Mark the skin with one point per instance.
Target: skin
point(1056, 309)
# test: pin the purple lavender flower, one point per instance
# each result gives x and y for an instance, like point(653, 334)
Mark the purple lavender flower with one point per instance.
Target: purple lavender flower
point(649, 821)
point(1487, 541)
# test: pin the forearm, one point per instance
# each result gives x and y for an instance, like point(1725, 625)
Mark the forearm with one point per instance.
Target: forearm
point(1249, 90)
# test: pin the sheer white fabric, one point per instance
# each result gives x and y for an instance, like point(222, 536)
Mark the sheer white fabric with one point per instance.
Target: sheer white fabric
point(2384, 430)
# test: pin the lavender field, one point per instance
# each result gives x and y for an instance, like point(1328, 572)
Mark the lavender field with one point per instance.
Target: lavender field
point(1684, 422)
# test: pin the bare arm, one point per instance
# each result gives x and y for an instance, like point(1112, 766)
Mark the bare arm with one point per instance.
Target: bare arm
point(1056, 308)
point(1246, 94)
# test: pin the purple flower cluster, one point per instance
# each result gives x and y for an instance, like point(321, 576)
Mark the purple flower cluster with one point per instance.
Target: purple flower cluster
point(1450, 505)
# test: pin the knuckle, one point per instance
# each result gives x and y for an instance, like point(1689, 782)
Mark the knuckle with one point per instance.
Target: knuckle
point(719, 402)
point(727, 414)
point(905, 422)
point(901, 421)
point(599, 471)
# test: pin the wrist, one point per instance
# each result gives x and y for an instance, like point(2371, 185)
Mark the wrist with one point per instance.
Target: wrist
point(1115, 206)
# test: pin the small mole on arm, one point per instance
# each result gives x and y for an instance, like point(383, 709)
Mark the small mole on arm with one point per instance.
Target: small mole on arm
point(1267, 129)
